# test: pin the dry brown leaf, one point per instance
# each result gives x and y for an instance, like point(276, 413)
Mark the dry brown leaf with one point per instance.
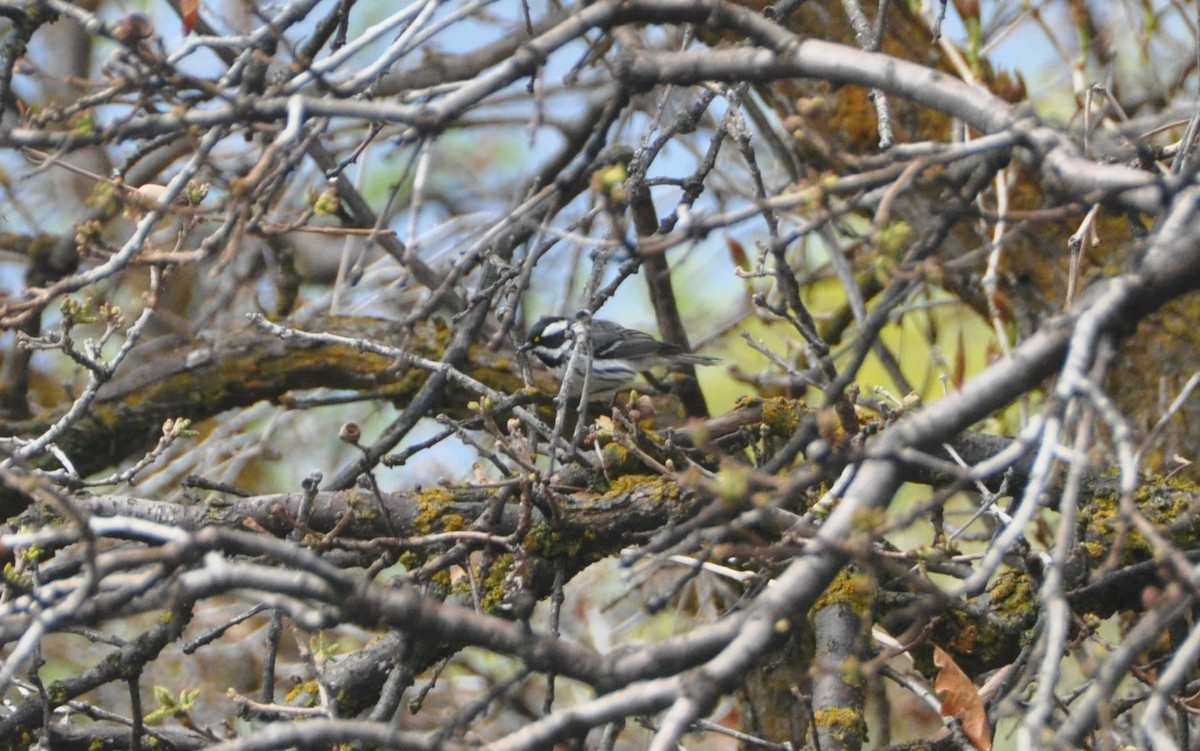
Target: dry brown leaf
point(960, 362)
point(189, 10)
point(737, 253)
point(961, 700)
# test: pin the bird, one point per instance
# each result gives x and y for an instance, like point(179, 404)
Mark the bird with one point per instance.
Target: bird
point(617, 355)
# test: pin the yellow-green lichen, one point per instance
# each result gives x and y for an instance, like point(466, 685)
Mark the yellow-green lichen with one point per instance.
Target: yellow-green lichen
point(615, 457)
point(955, 631)
point(441, 583)
point(213, 515)
point(431, 510)
point(308, 691)
point(545, 542)
point(994, 636)
point(492, 588)
point(56, 693)
point(1169, 505)
point(782, 416)
point(364, 509)
point(852, 588)
point(653, 487)
point(1014, 601)
point(453, 522)
point(842, 723)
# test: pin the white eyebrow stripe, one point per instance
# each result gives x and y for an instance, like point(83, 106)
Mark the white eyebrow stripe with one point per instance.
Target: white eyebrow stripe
point(557, 328)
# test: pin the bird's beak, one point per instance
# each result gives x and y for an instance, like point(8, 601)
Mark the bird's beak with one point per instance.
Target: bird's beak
point(525, 347)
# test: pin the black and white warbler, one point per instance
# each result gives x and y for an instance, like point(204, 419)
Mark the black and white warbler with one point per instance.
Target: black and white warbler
point(618, 354)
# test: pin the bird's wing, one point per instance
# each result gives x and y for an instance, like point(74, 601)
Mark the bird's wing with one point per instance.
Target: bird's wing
point(618, 341)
